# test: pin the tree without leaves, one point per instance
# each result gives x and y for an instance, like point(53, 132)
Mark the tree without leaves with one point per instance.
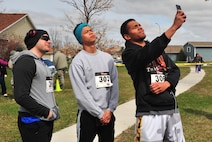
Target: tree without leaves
point(55, 38)
point(6, 46)
point(88, 10)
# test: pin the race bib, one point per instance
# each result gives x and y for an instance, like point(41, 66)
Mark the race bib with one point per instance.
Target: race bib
point(157, 78)
point(102, 79)
point(49, 84)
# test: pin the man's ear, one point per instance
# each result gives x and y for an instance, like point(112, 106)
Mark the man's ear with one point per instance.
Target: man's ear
point(127, 37)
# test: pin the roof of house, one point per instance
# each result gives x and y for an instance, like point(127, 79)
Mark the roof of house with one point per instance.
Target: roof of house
point(200, 44)
point(173, 48)
point(8, 19)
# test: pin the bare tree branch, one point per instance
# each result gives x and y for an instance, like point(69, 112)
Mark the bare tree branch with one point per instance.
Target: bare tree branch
point(88, 9)
point(55, 38)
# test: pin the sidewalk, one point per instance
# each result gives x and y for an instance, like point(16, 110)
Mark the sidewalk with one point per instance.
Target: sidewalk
point(125, 113)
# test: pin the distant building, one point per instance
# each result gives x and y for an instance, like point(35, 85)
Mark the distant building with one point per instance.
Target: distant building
point(13, 29)
point(14, 25)
point(203, 48)
point(174, 52)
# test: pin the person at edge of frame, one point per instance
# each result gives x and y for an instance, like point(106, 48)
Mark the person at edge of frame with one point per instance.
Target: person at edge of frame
point(155, 77)
point(33, 89)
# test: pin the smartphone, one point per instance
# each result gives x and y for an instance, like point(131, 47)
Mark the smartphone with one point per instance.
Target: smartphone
point(178, 7)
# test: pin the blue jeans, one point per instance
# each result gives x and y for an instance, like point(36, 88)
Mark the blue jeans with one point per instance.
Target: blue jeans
point(3, 86)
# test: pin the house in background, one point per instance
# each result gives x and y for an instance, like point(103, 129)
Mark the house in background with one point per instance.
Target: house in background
point(14, 26)
point(13, 29)
point(174, 52)
point(203, 48)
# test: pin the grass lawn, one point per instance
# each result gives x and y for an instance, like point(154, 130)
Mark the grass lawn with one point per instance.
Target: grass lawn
point(196, 111)
point(193, 112)
point(65, 99)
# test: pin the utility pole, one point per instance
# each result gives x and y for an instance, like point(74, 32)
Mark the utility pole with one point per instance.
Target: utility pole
point(158, 27)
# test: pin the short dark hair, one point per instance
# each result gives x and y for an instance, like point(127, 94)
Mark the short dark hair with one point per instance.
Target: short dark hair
point(124, 29)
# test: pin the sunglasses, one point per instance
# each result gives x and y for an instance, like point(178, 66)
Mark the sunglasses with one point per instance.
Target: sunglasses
point(46, 38)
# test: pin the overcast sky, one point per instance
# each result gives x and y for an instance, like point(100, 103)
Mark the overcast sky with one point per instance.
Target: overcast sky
point(155, 16)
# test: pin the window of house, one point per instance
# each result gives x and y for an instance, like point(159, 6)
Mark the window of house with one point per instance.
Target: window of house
point(188, 49)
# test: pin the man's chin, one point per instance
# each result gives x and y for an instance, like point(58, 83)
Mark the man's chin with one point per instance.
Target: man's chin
point(141, 39)
point(45, 51)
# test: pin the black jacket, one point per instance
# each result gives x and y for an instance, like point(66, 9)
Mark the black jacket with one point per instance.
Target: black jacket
point(137, 60)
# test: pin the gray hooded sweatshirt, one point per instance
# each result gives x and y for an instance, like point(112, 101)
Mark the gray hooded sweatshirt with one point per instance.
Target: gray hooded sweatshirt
point(33, 86)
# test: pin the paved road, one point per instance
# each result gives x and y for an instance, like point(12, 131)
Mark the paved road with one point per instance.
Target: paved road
point(125, 113)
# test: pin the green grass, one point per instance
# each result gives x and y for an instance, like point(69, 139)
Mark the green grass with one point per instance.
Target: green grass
point(65, 99)
point(196, 111)
point(199, 113)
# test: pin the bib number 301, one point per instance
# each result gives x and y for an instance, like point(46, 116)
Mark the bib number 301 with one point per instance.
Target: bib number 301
point(102, 79)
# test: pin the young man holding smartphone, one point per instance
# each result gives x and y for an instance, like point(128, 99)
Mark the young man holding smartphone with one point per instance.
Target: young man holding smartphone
point(155, 77)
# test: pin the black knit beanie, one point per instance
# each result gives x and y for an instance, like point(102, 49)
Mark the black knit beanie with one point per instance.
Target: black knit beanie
point(32, 37)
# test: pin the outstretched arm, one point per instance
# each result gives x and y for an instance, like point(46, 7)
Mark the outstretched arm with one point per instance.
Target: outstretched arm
point(179, 19)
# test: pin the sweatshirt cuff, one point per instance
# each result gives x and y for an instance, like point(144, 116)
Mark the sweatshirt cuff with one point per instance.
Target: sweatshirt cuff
point(101, 115)
point(164, 38)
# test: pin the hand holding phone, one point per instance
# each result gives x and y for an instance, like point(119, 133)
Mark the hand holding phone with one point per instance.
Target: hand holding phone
point(178, 7)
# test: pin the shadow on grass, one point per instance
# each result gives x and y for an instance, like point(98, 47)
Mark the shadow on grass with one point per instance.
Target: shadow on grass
point(199, 112)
